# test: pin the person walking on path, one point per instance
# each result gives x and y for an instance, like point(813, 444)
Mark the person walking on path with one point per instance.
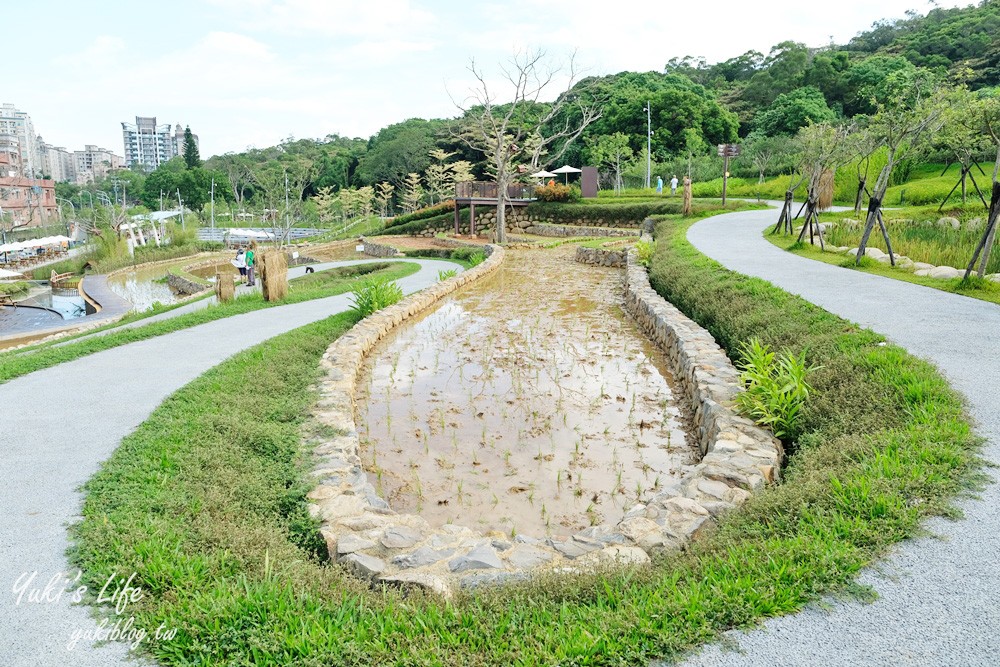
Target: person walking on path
point(659, 185)
point(241, 263)
point(251, 259)
point(673, 185)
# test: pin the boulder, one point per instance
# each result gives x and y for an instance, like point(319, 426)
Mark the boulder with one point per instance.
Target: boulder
point(364, 565)
point(526, 556)
point(350, 543)
point(400, 537)
point(949, 222)
point(945, 272)
point(483, 557)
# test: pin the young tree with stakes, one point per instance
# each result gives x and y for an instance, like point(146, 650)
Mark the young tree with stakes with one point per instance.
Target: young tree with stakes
point(503, 131)
point(908, 107)
point(823, 148)
point(986, 108)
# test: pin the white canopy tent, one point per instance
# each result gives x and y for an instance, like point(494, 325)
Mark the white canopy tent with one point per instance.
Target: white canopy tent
point(567, 170)
point(543, 174)
point(44, 242)
point(5, 274)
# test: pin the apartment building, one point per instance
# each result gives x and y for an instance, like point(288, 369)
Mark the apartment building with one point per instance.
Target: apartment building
point(25, 201)
point(17, 140)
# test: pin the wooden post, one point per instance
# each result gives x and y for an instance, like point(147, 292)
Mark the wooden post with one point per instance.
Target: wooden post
point(725, 176)
point(472, 218)
point(274, 281)
point(686, 208)
point(982, 253)
point(457, 232)
point(224, 288)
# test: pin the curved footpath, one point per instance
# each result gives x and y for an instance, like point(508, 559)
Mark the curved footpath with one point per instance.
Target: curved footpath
point(939, 596)
point(60, 423)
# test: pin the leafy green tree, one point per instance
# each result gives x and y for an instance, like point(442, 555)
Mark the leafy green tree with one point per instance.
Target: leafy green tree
point(612, 151)
point(794, 110)
point(191, 157)
point(413, 192)
point(398, 150)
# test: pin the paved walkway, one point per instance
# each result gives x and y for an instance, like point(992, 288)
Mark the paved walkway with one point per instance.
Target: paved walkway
point(939, 596)
point(59, 424)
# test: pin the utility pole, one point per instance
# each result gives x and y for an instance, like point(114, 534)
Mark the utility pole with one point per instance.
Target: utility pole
point(213, 203)
point(649, 141)
point(180, 205)
point(287, 223)
point(161, 199)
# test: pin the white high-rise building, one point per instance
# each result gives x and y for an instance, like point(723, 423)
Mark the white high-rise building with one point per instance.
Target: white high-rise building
point(148, 144)
point(16, 127)
point(56, 162)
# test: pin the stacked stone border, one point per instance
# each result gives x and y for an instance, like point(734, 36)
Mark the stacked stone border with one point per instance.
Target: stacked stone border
point(363, 533)
point(379, 249)
point(601, 256)
point(561, 231)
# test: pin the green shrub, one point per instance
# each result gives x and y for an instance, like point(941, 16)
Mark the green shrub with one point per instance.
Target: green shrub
point(375, 295)
point(445, 275)
point(645, 250)
point(10, 289)
point(476, 258)
point(776, 388)
point(555, 192)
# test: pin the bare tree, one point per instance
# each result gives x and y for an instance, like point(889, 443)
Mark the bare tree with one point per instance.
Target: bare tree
point(502, 132)
point(281, 188)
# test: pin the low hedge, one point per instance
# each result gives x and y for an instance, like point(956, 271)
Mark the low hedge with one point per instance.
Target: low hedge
point(422, 214)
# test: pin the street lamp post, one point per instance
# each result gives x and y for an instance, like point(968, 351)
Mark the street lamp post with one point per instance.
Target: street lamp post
point(73, 207)
point(649, 140)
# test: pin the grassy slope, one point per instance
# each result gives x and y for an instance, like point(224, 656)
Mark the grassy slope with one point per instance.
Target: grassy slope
point(977, 289)
point(205, 502)
point(313, 286)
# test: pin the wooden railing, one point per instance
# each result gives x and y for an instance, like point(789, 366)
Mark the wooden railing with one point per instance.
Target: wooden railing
point(488, 190)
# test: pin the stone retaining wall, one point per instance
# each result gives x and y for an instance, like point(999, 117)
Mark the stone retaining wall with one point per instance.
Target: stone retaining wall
point(185, 286)
point(547, 229)
point(379, 249)
point(519, 220)
point(363, 533)
point(601, 256)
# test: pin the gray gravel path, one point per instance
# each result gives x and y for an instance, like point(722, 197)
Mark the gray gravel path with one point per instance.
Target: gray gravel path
point(939, 596)
point(59, 424)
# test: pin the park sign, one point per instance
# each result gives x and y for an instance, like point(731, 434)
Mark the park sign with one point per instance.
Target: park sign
point(729, 150)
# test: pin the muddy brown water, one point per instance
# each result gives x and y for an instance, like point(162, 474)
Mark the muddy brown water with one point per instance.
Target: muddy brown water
point(527, 402)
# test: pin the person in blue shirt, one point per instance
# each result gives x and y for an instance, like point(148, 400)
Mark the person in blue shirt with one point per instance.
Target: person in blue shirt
point(659, 185)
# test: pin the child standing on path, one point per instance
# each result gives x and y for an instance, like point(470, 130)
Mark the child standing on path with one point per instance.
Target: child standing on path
point(241, 263)
point(251, 260)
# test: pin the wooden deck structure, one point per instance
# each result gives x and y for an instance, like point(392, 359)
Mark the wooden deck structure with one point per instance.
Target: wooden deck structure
point(486, 193)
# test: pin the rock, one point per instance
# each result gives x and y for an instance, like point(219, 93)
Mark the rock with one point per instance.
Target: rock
point(525, 556)
point(874, 253)
point(364, 565)
point(349, 543)
point(975, 223)
point(945, 272)
point(949, 222)
point(428, 582)
point(422, 556)
point(575, 547)
point(995, 277)
point(400, 537)
point(922, 266)
point(483, 557)
point(616, 554)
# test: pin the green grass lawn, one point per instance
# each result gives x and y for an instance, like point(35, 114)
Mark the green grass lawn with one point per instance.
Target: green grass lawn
point(205, 501)
point(974, 287)
point(311, 286)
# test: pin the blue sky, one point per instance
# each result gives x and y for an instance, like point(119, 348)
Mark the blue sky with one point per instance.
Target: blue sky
point(252, 72)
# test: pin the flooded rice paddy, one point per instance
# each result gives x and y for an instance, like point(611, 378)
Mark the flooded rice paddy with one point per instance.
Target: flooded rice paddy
point(527, 402)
